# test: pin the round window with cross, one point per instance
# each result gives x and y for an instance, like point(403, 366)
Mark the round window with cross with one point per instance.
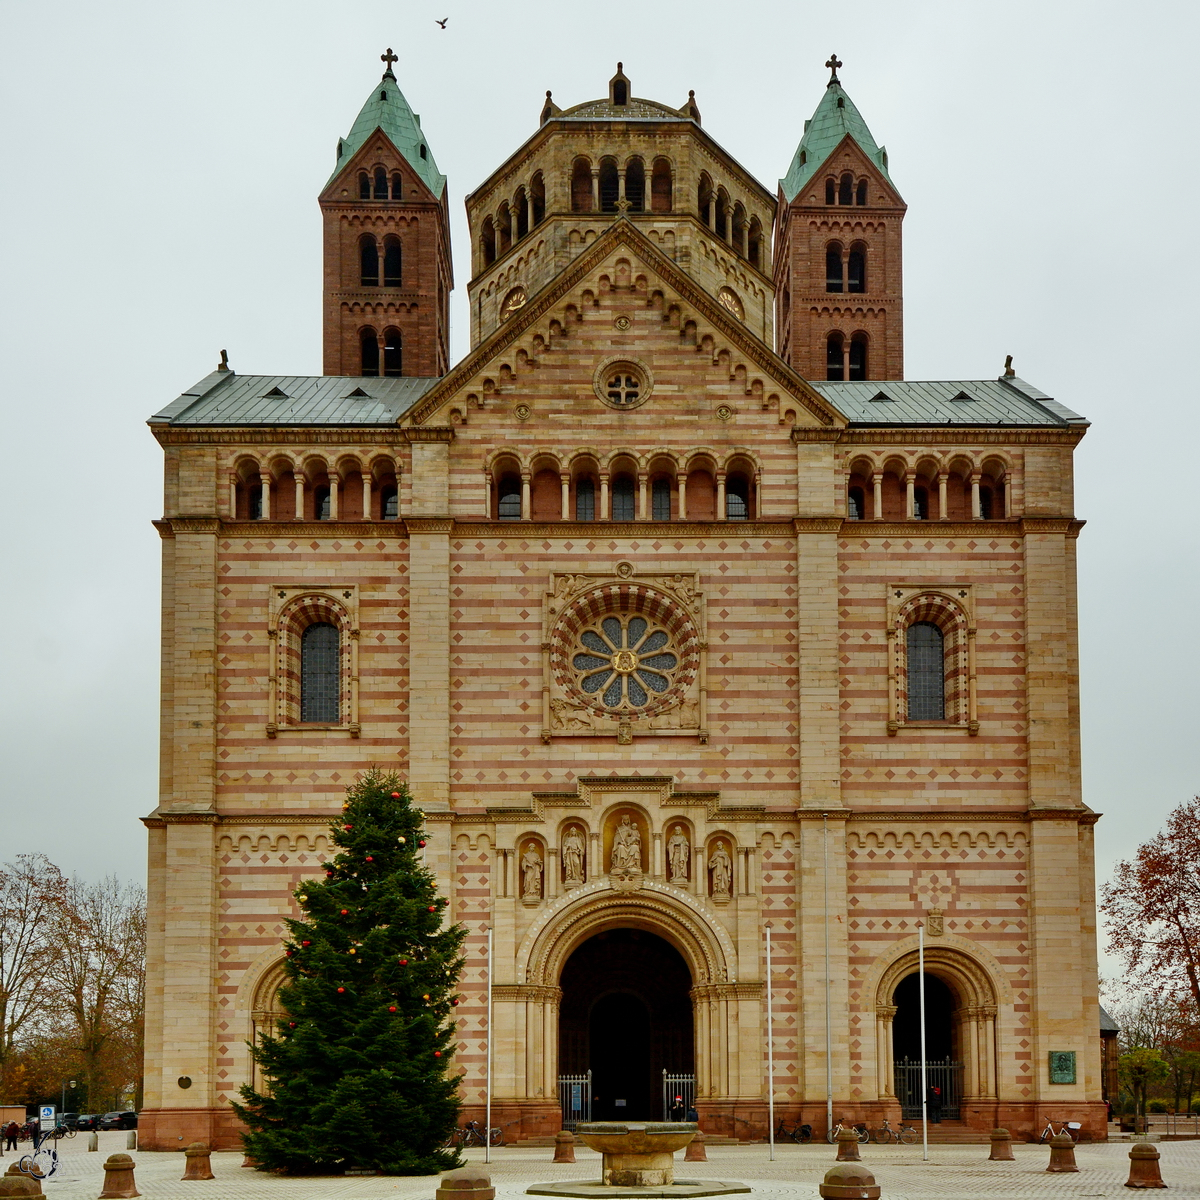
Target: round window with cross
point(624, 661)
point(622, 383)
point(624, 389)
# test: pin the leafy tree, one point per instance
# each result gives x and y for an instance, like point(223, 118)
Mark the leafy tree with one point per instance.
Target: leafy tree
point(1153, 908)
point(357, 1072)
point(1140, 1068)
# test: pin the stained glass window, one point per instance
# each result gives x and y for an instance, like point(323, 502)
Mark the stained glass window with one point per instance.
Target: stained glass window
point(624, 661)
point(926, 672)
point(319, 691)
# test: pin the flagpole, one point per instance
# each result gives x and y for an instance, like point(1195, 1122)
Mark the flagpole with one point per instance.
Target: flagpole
point(487, 1123)
point(924, 1075)
point(770, 1056)
point(828, 1014)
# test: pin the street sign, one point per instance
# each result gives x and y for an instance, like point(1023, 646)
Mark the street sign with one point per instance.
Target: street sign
point(46, 1116)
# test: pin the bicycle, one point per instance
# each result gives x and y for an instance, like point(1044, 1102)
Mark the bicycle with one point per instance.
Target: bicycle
point(61, 1131)
point(864, 1134)
point(1068, 1127)
point(801, 1134)
point(885, 1133)
point(472, 1135)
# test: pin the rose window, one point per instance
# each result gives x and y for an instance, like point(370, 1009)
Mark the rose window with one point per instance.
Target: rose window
point(624, 661)
point(623, 389)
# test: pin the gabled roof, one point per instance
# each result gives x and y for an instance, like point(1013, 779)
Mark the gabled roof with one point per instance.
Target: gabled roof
point(226, 398)
point(835, 119)
point(979, 402)
point(387, 109)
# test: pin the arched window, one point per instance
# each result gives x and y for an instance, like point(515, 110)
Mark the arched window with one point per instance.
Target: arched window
point(504, 229)
point(389, 502)
point(660, 500)
point(737, 498)
point(925, 644)
point(537, 197)
point(620, 92)
point(920, 504)
point(487, 242)
point(622, 498)
point(754, 242)
point(393, 359)
point(635, 185)
point(321, 503)
point(391, 262)
point(320, 699)
point(737, 232)
point(861, 195)
point(986, 504)
point(660, 186)
point(381, 191)
point(581, 186)
point(369, 347)
point(833, 269)
point(856, 504)
point(398, 183)
point(585, 500)
point(521, 208)
point(508, 503)
point(704, 200)
point(368, 262)
point(834, 363)
point(830, 191)
point(857, 271)
point(610, 185)
point(364, 186)
point(846, 189)
point(721, 222)
point(858, 357)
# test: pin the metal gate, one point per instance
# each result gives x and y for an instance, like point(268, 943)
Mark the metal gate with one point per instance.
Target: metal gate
point(944, 1075)
point(575, 1099)
point(679, 1093)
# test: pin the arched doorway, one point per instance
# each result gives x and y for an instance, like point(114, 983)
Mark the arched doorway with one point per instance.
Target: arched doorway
point(626, 1016)
point(943, 1057)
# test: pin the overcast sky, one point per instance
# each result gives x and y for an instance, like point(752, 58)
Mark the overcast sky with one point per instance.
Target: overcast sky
point(163, 161)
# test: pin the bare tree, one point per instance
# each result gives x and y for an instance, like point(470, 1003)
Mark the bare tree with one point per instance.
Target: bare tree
point(32, 891)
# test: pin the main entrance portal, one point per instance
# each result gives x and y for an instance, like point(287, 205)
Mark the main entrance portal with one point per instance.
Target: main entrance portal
point(626, 1016)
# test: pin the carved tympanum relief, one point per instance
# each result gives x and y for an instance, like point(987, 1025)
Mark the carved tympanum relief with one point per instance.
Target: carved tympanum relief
point(623, 654)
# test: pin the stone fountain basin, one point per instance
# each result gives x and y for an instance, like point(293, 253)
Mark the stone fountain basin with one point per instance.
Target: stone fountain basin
point(637, 1154)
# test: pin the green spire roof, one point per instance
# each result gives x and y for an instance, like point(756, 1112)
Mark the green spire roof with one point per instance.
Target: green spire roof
point(387, 109)
point(835, 117)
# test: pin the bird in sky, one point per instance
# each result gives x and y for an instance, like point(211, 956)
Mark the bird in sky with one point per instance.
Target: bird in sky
point(442, 22)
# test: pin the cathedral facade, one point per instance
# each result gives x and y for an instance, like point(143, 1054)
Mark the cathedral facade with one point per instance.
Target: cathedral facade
point(686, 617)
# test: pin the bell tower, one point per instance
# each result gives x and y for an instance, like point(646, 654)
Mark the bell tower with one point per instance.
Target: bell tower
point(387, 275)
point(838, 282)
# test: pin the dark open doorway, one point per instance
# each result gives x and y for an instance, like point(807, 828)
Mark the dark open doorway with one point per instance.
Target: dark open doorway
point(943, 1068)
point(626, 1016)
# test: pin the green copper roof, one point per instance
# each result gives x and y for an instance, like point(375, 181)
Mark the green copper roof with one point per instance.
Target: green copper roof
point(387, 109)
point(835, 117)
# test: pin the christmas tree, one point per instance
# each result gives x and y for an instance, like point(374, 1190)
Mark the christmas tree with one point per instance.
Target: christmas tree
point(356, 1075)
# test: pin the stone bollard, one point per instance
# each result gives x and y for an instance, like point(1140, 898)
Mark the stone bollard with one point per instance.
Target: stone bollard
point(1062, 1153)
point(564, 1146)
point(17, 1185)
point(1143, 1167)
point(248, 1162)
point(847, 1144)
point(467, 1183)
point(131, 1140)
point(119, 1183)
point(93, 1142)
point(1001, 1146)
point(199, 1162)
point(851, 1181)
point(695, 1151)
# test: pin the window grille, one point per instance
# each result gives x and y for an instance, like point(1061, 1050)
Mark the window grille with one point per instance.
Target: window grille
point(737, 506)
point(319, 691)
point(585, 500)
point(926, 672)
point(855, 504)
point(390, 504)
point(660, 500)
point(509, 508)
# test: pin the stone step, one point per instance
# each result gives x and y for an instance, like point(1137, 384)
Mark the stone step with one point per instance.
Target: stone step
point(710, 1139)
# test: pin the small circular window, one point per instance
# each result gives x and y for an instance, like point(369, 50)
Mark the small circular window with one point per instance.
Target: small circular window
point(622, 383)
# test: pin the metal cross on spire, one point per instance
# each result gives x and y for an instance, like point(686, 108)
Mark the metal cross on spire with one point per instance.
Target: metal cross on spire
point(833, 65)
point(390, 58)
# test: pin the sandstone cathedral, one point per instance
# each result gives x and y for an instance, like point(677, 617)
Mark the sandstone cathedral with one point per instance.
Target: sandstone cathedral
point(684, 614)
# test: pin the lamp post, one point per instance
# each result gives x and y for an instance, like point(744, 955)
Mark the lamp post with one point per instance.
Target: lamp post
point(63, 1106)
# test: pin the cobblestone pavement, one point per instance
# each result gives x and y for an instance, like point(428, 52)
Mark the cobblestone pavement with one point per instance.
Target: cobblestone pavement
point(953, 1173)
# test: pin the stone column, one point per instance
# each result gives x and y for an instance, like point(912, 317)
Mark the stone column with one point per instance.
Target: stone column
point(487, 494)
point(728, 210)
point(943, 514)
point(681, 484)
point(846, 359)
point(264, 507)
point(298, 478)
point(884, 1017)
point(233, 486)
point(366, 486)
point(910, 495)
point(720, 495)
point(603, 495)
point(975, 509)
point(335, 482)
point(643, 513)
point(877, 496)
point(565, 479)
point(596, 189)
point(526, 507)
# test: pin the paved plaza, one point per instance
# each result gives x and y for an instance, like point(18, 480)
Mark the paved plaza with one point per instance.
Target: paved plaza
point(953, 1173)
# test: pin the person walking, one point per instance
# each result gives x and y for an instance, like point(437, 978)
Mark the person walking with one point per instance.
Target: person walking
point(934, 1104)
point(11, 1131)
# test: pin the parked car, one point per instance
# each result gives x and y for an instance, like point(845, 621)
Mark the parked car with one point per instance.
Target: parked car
point(131, 1119)
point(70, 1120)
point(87, 1121)
point(111, 1120)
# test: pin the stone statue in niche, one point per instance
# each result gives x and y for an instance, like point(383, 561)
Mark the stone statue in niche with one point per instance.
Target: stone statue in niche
point(531, 873)
point(626, 847)
point(573, 851)
point(721, 866)
point(679, 855)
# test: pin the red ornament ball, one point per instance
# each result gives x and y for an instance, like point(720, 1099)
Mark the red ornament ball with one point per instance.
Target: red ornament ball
point(437, 1054)
point(395, 795)
point(291, 1024)
point(433, 908)
point(454, 1003)
point(340, 990)
point(306, 943)
point(370, 858)
point(403, 962)
point(391, 1008)
point(347, 828)
point(421, 842)
point(345, 912)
